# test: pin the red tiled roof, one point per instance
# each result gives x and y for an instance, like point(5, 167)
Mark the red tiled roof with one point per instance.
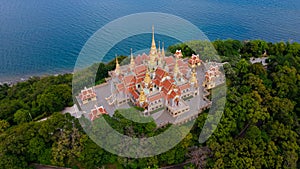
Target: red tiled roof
point(194, 59)
point(87, 94)
point(140, 69)
point(139, 80)
point(155, 97)
point(134, 93)
point(145, 56)
point(129, 79)
point(156, 81)
point(120, 87)
point(185, 86)
point(172, 95)
point(180, 63)
point(139, 59)
point(101, 110)
point(166, 85)
point(96, 112)
point(159, 73)
point(169, 60)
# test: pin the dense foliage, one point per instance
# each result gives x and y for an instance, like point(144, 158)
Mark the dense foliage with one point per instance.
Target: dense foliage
point(259, 127)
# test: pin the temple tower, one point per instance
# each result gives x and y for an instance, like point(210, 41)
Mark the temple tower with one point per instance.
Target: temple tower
point(193, 79)
point(132, 63)
point(147, 80)
point(176, 69)
point(153, 52)
point(142, 98)
point(159, 55)
point(117, 70)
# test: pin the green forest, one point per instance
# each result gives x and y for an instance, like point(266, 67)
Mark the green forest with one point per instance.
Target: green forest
point(259, 127)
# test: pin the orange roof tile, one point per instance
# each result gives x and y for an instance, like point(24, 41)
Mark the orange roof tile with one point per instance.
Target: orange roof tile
point(159, 73)
point(134, 93)
point(169, 60)
point(172, 95)
point(96, 112)
point(185, 86)
point(129, 79)
point(140, 69)
point(166, 85)
point(156, 81)
point(120, 87)
point(87, 94)
point(194, 59)
point(155, 97)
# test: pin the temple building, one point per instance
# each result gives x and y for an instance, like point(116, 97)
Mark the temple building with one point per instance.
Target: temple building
point(194, 61)
point(171, 89)
point(97, 112)
point(155, 81)
point(211, 76)
point(87, 94)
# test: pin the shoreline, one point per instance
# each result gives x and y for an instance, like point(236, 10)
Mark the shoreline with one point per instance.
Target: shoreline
point(26, 78)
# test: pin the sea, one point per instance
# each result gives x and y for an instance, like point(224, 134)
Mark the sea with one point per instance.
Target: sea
point(41, 37)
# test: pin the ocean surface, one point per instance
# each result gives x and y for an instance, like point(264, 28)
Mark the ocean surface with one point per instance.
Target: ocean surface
point(40, 37)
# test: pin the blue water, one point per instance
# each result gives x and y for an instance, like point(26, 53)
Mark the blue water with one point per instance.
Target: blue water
point(45, 37)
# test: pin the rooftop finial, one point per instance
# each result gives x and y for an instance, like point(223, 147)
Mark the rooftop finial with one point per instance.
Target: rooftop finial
point(117, 71)
point(163, 49)
point(132, 63)
point(153, 50)
point(117, 63)
point(176, 68)
point(159, 47)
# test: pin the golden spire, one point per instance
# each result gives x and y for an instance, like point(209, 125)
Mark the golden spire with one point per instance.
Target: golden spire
point(159, 47)
point(193, 77)
point(176, 68)
point(117, 63)
point(132, 63)
point(147, 78)
point(153, 50)
point(163, 49)
point(117, 71)
point(142, 97)
point(159, 54)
